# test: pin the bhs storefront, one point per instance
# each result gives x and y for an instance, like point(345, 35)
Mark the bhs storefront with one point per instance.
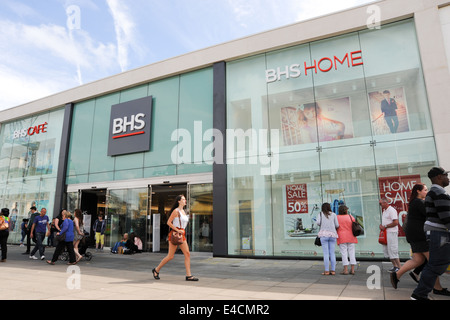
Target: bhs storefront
point(341, 120)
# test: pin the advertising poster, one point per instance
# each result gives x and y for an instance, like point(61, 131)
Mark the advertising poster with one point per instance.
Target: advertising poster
point(397, 190)
point(297, 198)
point(302, 204)
point(388, 111)
point(324, 120)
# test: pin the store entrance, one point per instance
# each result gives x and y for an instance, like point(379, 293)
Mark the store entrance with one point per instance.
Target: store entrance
point(162, 199)
point(93, 203)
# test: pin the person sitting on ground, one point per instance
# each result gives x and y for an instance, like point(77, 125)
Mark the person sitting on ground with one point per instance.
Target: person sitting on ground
point(138, 243)
point(120, 246)
point(131, 245)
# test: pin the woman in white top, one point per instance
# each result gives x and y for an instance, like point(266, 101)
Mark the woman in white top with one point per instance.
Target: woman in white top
point(328, 223)
point(178, 225)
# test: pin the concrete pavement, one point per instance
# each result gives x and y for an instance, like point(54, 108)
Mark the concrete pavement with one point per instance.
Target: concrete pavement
point(120, 277)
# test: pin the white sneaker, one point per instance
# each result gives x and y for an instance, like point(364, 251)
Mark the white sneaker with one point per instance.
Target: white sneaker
point(33, 257)
point(42, 257)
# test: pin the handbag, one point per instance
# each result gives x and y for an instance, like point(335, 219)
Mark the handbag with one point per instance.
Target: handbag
point(382, 238)
point(4, 225)
point(356, 228)
point(61, 237)
point(317, 241)
point(176, 238)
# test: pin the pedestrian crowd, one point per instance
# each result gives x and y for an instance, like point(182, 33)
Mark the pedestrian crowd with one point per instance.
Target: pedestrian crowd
point(426, 229)
point(65, 232)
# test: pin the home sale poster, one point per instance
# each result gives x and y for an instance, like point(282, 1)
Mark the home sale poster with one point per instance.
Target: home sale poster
point(397, 191)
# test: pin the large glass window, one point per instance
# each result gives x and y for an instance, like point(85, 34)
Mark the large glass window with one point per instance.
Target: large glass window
point(249, 211)
point(395, 86)
point(201, 217)
point(165, 122)
point(345, 120)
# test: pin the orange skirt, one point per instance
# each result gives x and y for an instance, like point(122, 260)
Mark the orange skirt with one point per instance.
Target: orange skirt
point(184, 235)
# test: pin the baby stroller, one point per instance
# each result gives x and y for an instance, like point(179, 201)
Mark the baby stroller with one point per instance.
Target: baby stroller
point(82, 249)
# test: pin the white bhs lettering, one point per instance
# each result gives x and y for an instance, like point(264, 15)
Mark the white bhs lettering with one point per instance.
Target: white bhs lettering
point(135, 123)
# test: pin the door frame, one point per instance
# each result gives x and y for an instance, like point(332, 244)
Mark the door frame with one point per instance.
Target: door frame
point(151, 189)
point(196, 178)
point(79, 202)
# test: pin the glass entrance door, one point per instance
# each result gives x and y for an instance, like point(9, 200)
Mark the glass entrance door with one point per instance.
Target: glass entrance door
point(127, 213)
point(92, 204)
point(162, 199)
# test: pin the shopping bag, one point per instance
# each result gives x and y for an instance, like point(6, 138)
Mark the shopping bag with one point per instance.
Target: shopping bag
point(382, 238)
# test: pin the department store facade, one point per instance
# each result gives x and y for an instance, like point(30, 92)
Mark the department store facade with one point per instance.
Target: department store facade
point(257, 139)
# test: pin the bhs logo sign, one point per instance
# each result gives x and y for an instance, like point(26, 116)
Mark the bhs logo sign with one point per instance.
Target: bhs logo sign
point(130, 127)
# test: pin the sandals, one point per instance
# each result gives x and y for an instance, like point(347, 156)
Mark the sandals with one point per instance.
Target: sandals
point(191, 278)
point(327, 273)
point(155, 274)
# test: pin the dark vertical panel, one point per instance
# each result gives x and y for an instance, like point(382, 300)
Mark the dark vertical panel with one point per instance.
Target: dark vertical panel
point(63, 159)
point(220, 239)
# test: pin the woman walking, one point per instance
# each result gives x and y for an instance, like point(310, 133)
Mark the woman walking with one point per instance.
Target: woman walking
point(415, 236)
point(78, 232)
point(178, 221)
point(67, 242)
point(346, 240)
point(328, 224)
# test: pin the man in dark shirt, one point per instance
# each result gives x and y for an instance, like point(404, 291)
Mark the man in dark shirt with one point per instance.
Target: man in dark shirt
point(33, 214)
point(389, 108)
point(436, 227)
point(40, 225)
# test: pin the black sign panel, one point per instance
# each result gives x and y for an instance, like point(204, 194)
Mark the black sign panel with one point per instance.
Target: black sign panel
point(130, 127)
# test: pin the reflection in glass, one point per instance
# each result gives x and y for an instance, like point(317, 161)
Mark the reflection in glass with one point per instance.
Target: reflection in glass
point(201, 217)
point(28, 166)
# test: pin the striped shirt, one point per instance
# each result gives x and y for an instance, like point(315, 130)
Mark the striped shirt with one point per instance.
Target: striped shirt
point(437, 206)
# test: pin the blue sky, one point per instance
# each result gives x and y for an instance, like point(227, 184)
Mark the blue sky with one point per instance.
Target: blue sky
point(48, 46)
